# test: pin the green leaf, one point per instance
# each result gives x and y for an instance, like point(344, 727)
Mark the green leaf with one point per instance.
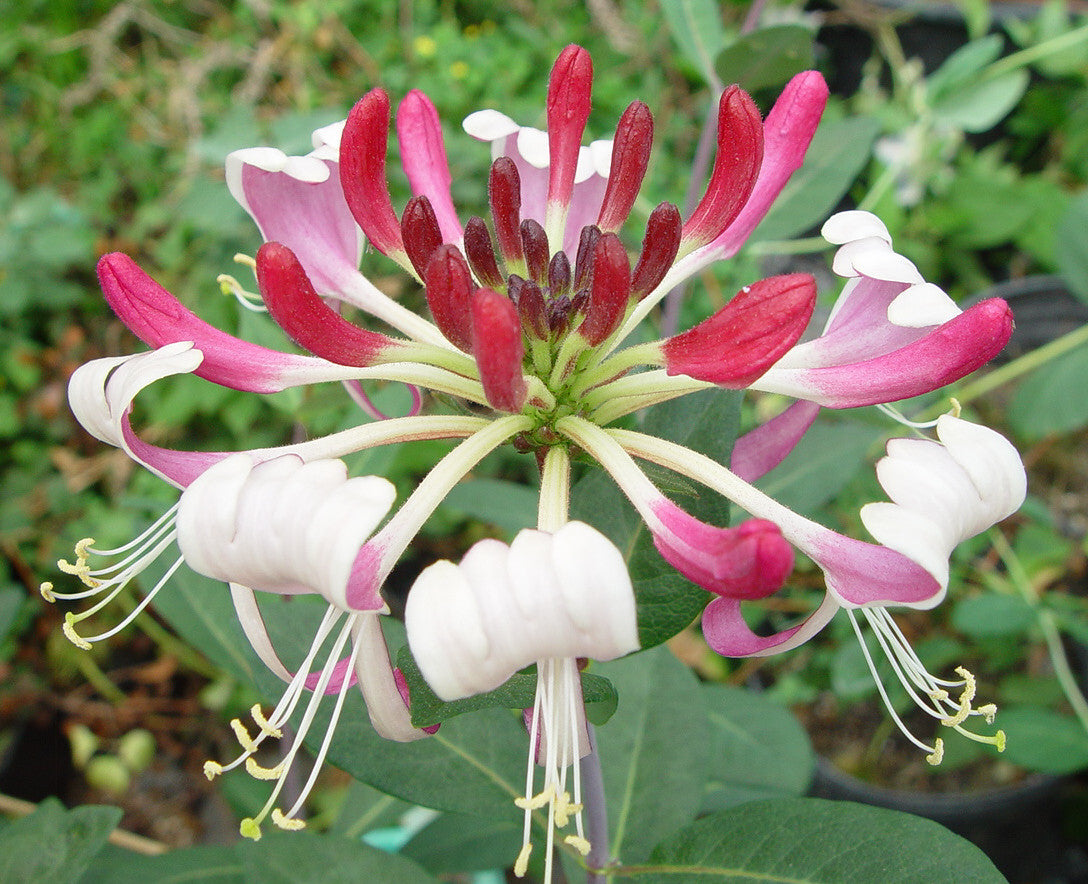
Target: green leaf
point(655, 752)
point(207, 865)
point(964, 65)
point(1053, 399)
point(507, 505)
point(980, 106)
point(757, 749)
point(767, 57)
point(1043, 740)
point(991, 614)
point(665, 601)
point(808, 840)
point(696, 26)
point(12, 599)
point(517, 693)
point(1071, 246)
point(838, 153)
point(460, 843)
point(302, 858)
point(829, 456)
point(365, 808)
point(53, 844)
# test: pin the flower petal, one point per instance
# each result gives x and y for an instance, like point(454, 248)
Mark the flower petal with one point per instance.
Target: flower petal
point(423, 155)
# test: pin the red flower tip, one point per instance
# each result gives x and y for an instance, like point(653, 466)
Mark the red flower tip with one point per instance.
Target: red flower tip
point(421, 235)
point(748, 335)
point(568, 108)
point(449, 289)
point(736, 167)
point(534, 242)
point(630, 157)
point(504, 194)
point(609, 291)
point(481, 253)
point(307, 319)
point(659, 248)
point(362, 172)
point(497, 345)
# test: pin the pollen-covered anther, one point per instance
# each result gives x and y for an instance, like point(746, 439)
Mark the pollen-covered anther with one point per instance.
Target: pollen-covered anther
point(290, 824)
point(80, 569)
point(266, 728)
point(263, 773)
point(988, 712)
point(578, 843)
point(963, 706)
point(250, 828)
point(212, 769)
point(565, 809)
point(937, 755)
point(535, 802)
point(521, 864)
point(242, 735)
point(69, 630)
point(46, 590)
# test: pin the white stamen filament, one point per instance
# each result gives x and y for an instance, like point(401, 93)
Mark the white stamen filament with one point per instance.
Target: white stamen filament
point(917, 680)
point(555, 726)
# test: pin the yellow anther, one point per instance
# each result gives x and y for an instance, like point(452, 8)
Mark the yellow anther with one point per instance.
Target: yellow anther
point(999, 741)
point(212, 769)
point(964, 702)
point(228, 285)
point(956, 407)
point(69, 630)
point(578, 843)
point(938, 696)
point(263, 773)
point(286, 822)
point(262, 722)
point(521, 865)
point(564, 808)
point(536, 801)
point(46, 589)
point(250, 828)
point(243, 735)
point(989, 712)
point(241, 258)
point(938, 752)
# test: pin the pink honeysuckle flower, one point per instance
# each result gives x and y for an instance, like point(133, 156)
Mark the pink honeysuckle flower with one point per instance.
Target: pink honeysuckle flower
point(548, 599)
point(530, 317)
point(942, 492)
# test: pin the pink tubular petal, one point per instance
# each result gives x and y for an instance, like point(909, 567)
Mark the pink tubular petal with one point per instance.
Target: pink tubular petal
point(726, 632)
point(423, 154)
point(759, 451)
point(498, 347)
point(945, 354)
point(610, 289)
point(860, 573)
point(736, 167)
point(750, 561)
point(568, 110)
point(449, 293)
point(748, 335)
point(308, 320)
point(630, 157)
point(362, 172)
point(157, 318)
point(787, 133)
point(385, 703)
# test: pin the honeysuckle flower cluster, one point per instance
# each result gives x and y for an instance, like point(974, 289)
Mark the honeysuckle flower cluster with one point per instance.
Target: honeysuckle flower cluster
point(530, 310)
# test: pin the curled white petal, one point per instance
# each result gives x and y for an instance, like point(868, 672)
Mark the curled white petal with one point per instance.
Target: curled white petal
point(921, 306)
point(473, 625)
point(309, 169)
point(326, 141)
point(943, 493)
point(281, 525)
point(844, 227)
point(489, 125)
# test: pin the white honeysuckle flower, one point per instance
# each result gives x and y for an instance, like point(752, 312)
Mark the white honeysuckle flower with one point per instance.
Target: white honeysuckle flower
point(548, 599)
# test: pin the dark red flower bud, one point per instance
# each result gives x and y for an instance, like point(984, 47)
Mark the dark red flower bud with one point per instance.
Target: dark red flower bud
point(449, 295)
point(583, 263)
point(610, 290)
point(497, 345)
point(559, 275)
point(419, 229)
point(535, 243)
point(529, 299)
point(504, 193)
point(630, 157)
point(481, 253)
point(659, 248)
